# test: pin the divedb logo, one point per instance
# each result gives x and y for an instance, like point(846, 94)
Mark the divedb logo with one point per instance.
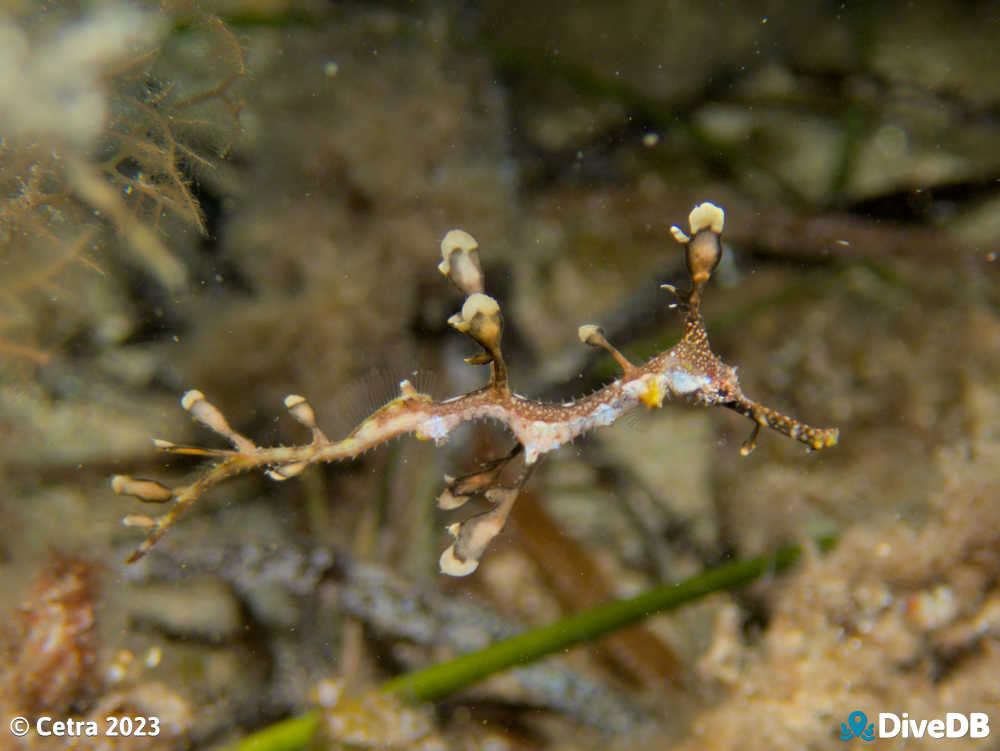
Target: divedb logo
point(952, 725)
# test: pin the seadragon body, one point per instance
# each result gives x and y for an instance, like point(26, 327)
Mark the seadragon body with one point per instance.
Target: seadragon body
point(689, 370)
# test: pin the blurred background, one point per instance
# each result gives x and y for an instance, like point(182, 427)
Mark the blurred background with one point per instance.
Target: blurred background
point(247, 198)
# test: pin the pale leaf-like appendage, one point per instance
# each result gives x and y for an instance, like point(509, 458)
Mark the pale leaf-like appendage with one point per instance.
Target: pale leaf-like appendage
point(689, 370)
